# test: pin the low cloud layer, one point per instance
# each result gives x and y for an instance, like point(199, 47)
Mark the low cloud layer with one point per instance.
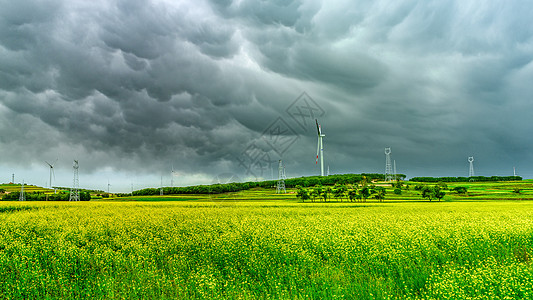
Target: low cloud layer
point(135, 88)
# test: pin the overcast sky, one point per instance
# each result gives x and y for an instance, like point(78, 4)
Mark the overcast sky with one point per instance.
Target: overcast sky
point(135, 88)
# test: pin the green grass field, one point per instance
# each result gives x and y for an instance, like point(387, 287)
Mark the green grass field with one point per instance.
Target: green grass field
point(259, 245)
point(477, 191)
point(27, 188)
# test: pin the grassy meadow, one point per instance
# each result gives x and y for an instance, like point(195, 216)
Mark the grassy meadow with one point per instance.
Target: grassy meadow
point(27, 188)
point(259, 245)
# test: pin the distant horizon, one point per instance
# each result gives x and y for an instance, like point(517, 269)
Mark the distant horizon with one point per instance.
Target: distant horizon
point(164, 186)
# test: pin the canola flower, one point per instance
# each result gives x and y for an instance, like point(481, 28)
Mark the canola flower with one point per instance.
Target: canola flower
point(265, 250)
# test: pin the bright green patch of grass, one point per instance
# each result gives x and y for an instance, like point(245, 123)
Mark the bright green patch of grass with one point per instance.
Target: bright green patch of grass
point(27, 188)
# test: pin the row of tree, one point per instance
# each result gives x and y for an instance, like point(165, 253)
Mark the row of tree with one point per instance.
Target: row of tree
point(466, 179)
point(432, 192)
point(240, 186)
point(40, 196)
point(365, 190)
point(352, 192)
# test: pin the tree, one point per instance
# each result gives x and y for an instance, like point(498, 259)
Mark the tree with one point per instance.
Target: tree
point(364, 193)
point(427, 192)
point(325, 193)
point(317, 192)
point(339, 191)
point(380, 193)
point(460, 189)
point(398, 184)
point(432, 192)
point(352, 194)
point(302, 193)
point(442, 185)
point(85, 196)
point(438, 193)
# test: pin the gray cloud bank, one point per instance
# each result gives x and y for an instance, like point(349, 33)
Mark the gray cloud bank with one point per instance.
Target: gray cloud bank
point(136, 86)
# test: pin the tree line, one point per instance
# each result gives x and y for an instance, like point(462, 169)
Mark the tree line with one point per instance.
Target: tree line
point(40, 196)
point(466, 179)
point(240, 186)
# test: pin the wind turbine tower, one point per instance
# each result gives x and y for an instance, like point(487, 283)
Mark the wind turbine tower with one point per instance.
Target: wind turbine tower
point(320, 148)
point(22, 196)
point(172, 174)
point(281, 179)
point(51, 171)
point(75, 190)
point(388, 165)
point(161, 188)
point(471, 171)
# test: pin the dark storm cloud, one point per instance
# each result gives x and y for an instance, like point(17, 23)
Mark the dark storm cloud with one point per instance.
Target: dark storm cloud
point(140, 84)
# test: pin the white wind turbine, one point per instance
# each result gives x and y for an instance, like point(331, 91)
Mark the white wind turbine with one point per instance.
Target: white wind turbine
point(51, 170)
point(320, 148)
point(172, 174)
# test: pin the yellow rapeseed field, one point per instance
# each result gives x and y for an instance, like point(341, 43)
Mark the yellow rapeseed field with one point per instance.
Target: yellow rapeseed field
point(273, 249)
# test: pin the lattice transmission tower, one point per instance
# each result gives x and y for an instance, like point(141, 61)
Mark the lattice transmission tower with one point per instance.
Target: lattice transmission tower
point(388, 165)
point(22, 196)
point(281, 179)
point(471, 171)
point(75, 190)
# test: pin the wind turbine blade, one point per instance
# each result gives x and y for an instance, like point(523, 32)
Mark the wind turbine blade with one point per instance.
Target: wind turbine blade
point(317, 149)
point(53, 173)
point(318, 127)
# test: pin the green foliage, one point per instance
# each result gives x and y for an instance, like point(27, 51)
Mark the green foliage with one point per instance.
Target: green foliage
point(466, 179)
point(364, 193)
point(342, 179)
point(326, 192)
point(427, 192)
point(397, 191)
point(40, 196)
point(316, 192)
point(339, 191)
point(460, 189)
point(302, 193)
point(432, 192)
point(352, 194)
point(397, 184)
point(442, 185)
point(517, 190)
point(438, 192)
point(380, 193)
